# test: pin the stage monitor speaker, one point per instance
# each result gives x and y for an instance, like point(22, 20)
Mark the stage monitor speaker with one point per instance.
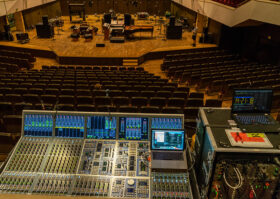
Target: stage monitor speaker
point(45, 20)
point(172, 21)
point(117, 40)
point(107, 18)
point(7, 28)
point(174, 32)
point(44, 31)
point(127, 19)
point(100, 45)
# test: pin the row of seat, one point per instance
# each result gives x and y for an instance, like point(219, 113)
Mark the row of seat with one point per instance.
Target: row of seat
point(95, 68)
point(8, 92)
point(20, 62)
point(4, 67)
point(206, 53)
point(17, 54)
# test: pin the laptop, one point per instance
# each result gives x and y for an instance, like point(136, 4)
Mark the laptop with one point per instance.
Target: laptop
point(168, 149)
point(251, 110)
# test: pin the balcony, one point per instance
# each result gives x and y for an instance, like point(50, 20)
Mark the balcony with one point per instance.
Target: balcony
point(236, 12)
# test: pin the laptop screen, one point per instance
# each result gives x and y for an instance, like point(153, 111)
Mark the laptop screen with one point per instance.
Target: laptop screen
point(252, 101)
point(168, 140)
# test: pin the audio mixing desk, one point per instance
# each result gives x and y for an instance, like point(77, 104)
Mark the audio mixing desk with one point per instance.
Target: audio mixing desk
point(102, 155)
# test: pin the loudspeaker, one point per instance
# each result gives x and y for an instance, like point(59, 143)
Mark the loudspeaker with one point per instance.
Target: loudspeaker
point(22, 36)
point(127, 19)
point(45, 20)
point(107, 18)
point(7, 28)
point(44, 31)
point(174, 32)
point(100, 45)
point(172, 21)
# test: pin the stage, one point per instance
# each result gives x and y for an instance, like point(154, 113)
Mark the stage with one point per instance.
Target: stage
point(66, 51)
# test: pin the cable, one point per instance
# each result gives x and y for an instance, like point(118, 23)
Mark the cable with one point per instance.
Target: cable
point(240, 181)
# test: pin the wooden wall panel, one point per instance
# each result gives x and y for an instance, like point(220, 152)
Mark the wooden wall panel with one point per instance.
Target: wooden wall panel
point(34, 15)
point(121, 6)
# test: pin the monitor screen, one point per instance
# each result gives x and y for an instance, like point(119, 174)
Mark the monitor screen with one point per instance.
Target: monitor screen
point(252, 101)
point(168, 140)
point(38, 125)
point(166, 123)
point(101, 127)
point(71, 126)
point(133, 128)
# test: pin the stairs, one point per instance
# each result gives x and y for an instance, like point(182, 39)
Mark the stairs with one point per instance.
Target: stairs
point(130, 62)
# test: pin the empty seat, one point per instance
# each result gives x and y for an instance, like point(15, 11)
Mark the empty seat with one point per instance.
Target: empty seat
point(14, 98)
point(6, 90)
point(113, 93)
point(172, 110)
point(128, 109)
point(191, 112)
point(65, 107)
point(99, 92)
point(102, 100)
point(157, 101)
point(6, 108)
point(49, 99)
point(131, 93)
point(31, 98)
point(20, 91)
point(176, 102)
point(196, 95)
point(106, 108)
point(83, 92)
point(86, 107)
point(194, 102)
point(66, 99)
point(213, 103)
point(150, 109)
point(12, 123)
point(165, 94)
point(19, 107)
point(139, 101)
point(52, 91)
point(147, 94)
point(180, 94)
point(119, 101)
point(84, 100)
point(67, 91)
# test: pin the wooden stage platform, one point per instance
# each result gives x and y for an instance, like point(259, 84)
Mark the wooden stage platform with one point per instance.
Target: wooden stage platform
point(66, 51)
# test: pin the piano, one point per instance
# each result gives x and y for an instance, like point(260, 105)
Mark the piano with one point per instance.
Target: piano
point(128, 30)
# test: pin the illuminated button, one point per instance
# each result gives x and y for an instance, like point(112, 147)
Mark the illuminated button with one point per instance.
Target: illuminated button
point(130, 182)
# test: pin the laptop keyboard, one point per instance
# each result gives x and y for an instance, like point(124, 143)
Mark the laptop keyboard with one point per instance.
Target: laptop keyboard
point(168, 156)
point(252, 119)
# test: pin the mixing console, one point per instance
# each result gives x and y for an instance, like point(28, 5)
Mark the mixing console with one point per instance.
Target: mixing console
point(11, 182)
point(101, 127)
point(38, 125)
point(55, 157)
point(130, 188)
point(133, 128)
point(53, 184)
point(29, 154)
point(69, 126)
point(64, 156)
point(97, 158)
point(171, 185)
point(166, 123)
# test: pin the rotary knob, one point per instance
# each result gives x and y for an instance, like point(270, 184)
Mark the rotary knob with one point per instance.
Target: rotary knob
point(130, 182)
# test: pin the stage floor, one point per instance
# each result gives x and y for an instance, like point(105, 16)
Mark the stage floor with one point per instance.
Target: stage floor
point(142, 43)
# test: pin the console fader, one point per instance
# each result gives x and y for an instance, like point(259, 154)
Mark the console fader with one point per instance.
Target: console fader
point(97, 154)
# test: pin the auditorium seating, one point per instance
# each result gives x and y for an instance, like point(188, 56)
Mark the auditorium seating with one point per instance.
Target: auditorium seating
point(93, 89)
point(219, 71)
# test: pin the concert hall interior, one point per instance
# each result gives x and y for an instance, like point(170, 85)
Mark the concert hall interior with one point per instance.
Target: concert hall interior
point(160, 99)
